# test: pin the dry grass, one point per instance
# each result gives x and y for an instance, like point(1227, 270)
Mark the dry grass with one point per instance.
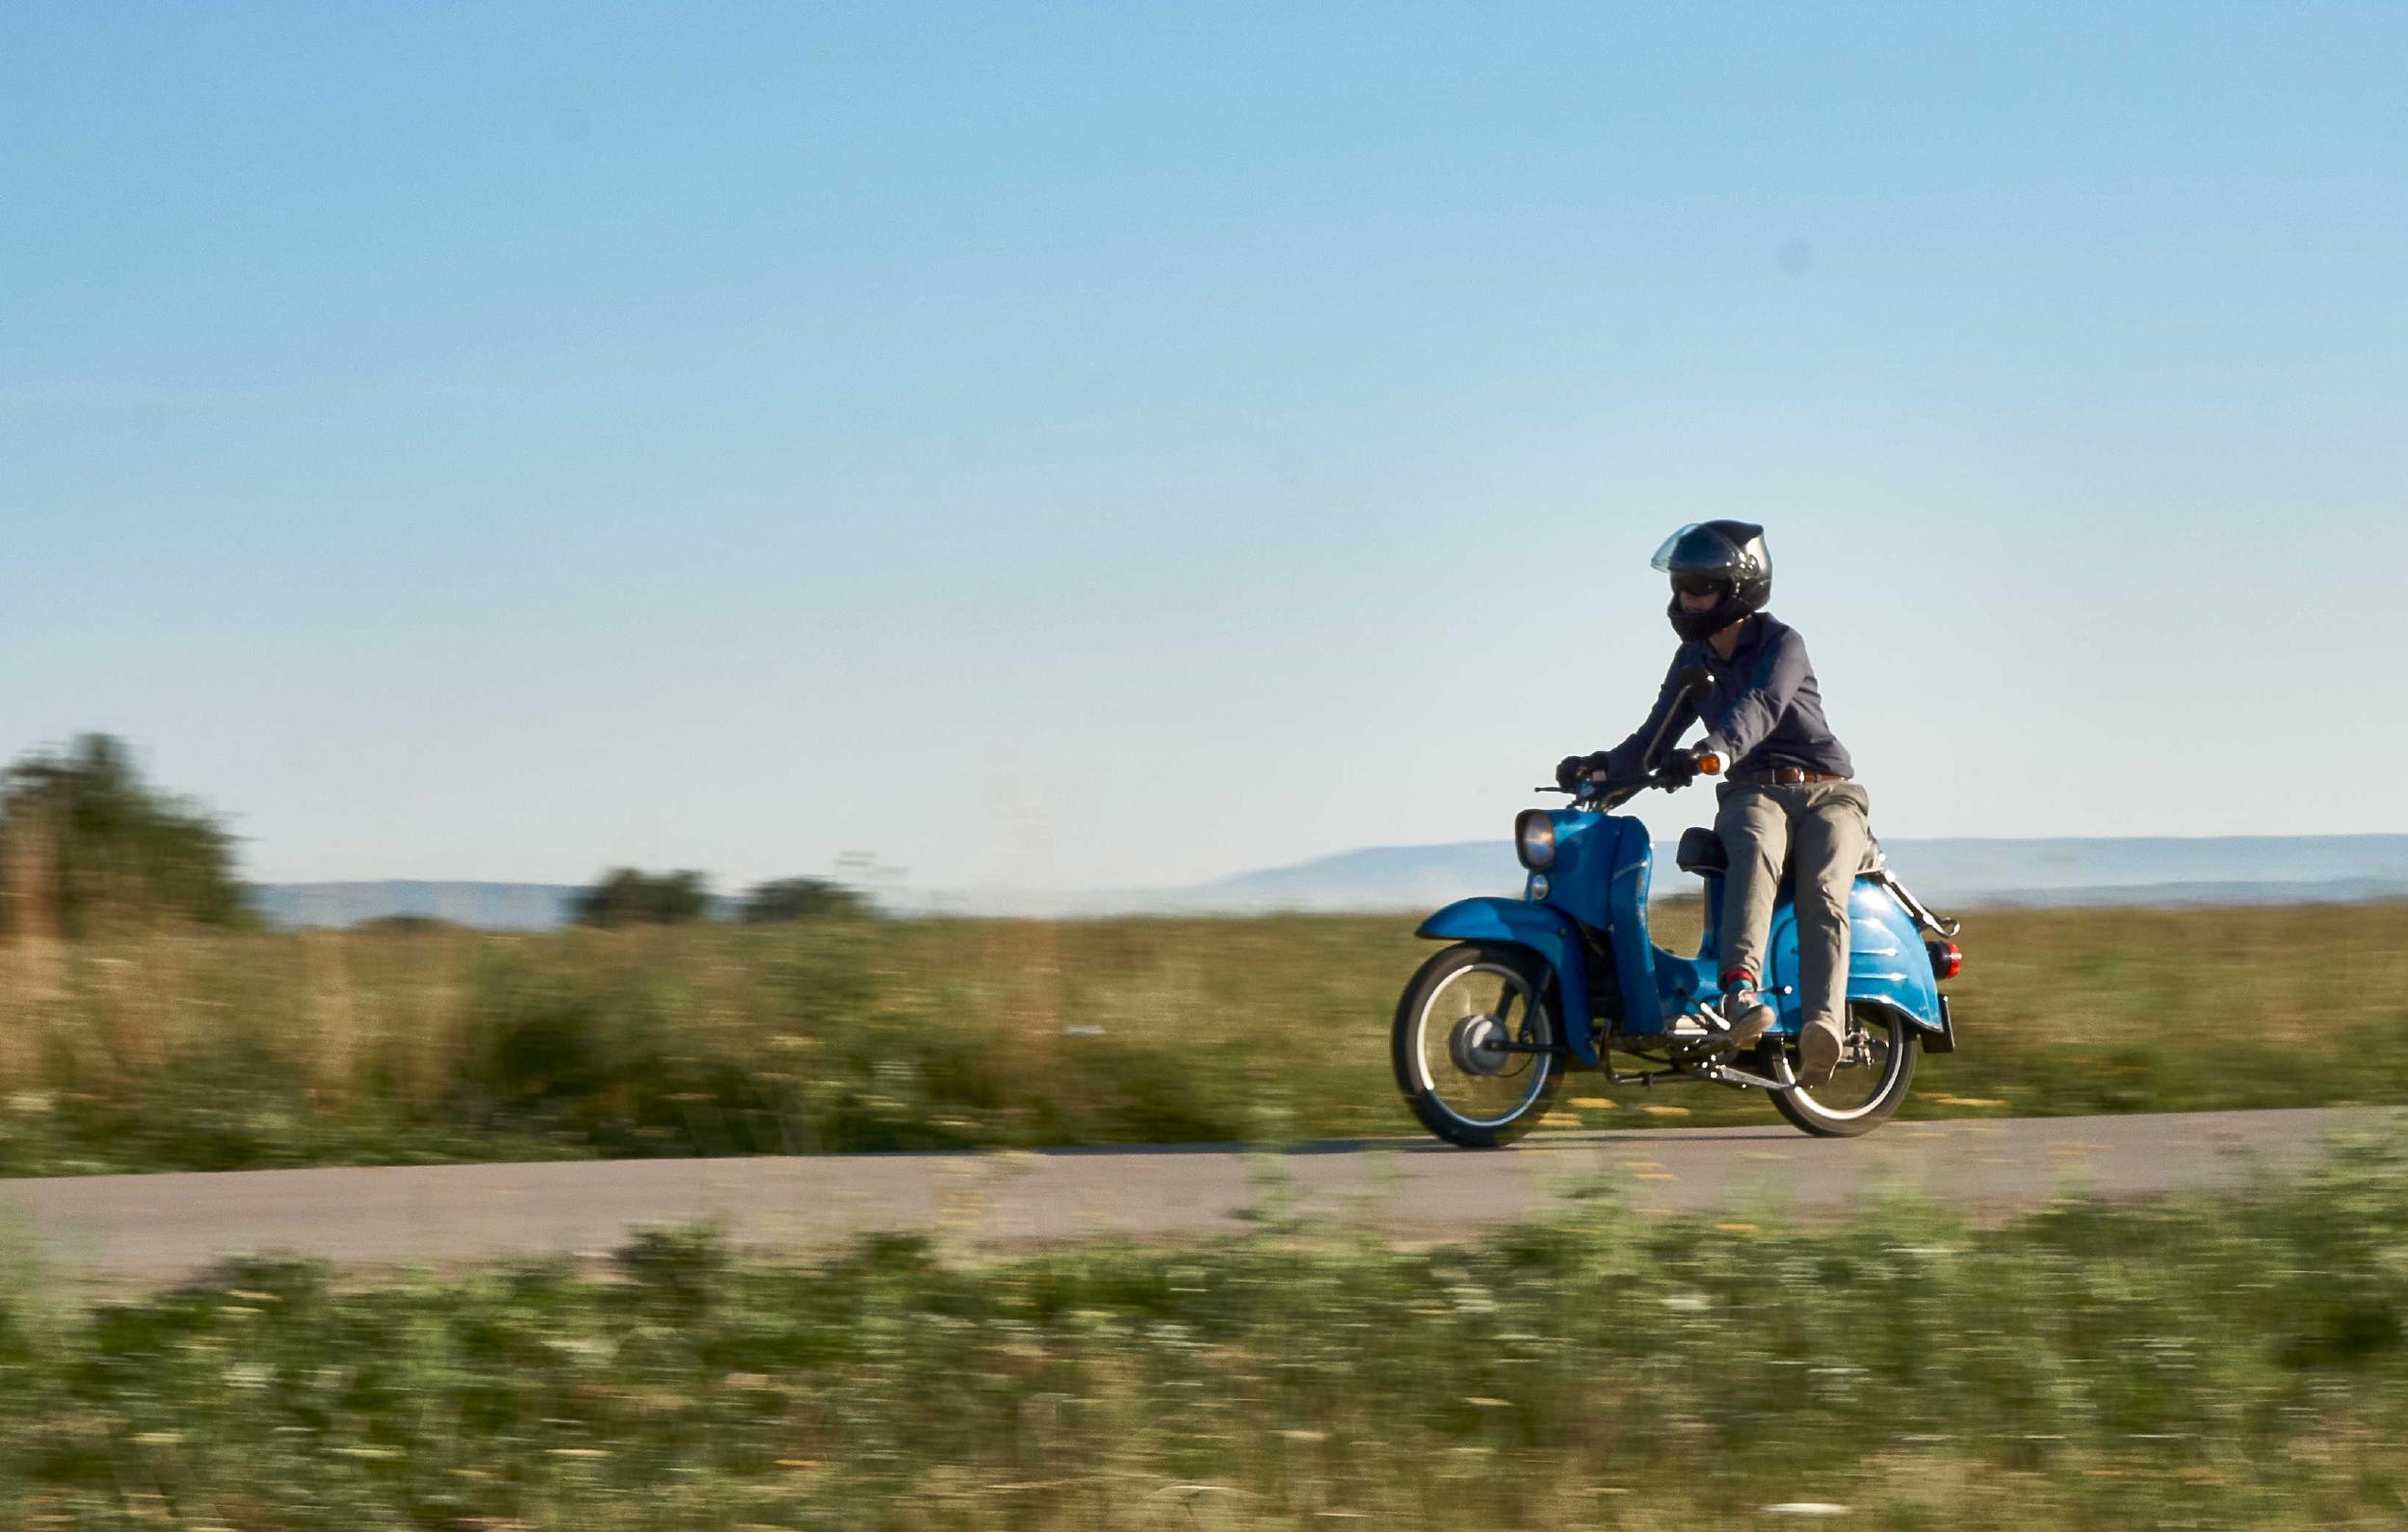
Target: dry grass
point(220, 1050)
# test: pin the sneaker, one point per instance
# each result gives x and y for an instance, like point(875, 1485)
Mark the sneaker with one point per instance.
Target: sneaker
point(1744, 1017)
point(1817, 1054)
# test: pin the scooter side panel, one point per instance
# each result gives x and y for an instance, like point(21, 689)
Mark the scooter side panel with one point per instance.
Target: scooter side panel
point(1886, 960)
point(1545, 931)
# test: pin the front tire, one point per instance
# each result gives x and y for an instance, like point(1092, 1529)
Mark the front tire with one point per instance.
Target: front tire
point(1860, 1097)
point(1451, 1023)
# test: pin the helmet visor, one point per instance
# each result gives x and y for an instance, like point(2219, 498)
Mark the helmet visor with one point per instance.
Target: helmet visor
point(1696, 547)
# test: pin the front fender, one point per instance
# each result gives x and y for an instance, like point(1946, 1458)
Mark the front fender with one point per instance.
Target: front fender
point(1545, 931)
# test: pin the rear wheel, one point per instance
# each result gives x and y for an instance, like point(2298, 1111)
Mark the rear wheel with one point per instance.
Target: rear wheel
point(1876, 1066)
point(1474, 1043)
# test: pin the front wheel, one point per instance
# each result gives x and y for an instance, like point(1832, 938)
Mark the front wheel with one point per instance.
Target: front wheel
point(1876, 1066)
point(1476, 1044)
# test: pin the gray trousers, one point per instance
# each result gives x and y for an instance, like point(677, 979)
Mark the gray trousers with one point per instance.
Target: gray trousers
point(1822, 830)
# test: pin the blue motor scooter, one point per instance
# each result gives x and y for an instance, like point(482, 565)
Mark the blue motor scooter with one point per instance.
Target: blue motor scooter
point(1563, 977)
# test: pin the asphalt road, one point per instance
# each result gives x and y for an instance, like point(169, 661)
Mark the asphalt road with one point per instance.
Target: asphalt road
point(116, 1230)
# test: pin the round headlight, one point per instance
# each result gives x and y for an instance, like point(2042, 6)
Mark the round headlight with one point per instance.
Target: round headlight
point(1535, 838)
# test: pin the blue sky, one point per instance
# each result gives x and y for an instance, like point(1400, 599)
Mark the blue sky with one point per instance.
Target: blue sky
point(1066, 446)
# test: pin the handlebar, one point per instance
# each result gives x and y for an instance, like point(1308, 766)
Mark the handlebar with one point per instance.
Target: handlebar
point(1694, 683)
point(1607, 795)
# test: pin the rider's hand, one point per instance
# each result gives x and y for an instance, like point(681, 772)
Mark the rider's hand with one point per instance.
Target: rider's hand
point(1678, 770)
point(1578, 773)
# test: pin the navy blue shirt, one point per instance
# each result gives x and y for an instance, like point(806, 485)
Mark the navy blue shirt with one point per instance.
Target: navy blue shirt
point(1765, 709)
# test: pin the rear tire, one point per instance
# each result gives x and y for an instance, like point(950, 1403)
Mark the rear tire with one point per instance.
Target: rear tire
point(1463, 1001)
point(1891, 1046)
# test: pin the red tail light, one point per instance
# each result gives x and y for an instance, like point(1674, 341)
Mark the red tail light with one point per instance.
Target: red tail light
point(1947, 960)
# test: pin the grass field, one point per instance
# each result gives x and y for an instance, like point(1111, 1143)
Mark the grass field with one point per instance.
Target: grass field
point(2231, 1363)
point(210, 1051)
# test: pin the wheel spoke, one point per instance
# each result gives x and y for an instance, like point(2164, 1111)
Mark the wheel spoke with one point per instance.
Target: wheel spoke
point(1864, 1082)
point(1461, 1023)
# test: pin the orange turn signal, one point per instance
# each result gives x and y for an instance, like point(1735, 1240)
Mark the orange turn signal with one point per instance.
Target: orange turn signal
point(1709, 763)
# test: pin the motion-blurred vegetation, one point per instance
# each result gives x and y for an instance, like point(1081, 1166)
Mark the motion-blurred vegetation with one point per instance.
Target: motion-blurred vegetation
point(627, 897)
point(88, 847)
point(182, 1048)
point(630, 897)
point(803, 899)
point(2230, 1364)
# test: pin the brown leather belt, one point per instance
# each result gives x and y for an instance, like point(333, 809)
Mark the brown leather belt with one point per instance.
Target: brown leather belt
point(1785, 777)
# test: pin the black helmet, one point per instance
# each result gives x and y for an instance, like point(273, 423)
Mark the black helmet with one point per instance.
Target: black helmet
point(1726, 556)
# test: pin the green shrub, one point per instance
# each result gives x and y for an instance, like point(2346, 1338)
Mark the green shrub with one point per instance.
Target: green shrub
point(2226, 1363)
point(89, 847)
point(626, 897)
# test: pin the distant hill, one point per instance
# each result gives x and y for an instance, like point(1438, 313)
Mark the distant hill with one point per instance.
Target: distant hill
point(1946, 874)
point(1379, 878)
point(487, 906)
point(2162, 870)
point(2165, 870)
point(1981, 871)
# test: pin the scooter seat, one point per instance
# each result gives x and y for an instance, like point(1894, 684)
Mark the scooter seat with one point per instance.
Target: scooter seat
point(1701, 851)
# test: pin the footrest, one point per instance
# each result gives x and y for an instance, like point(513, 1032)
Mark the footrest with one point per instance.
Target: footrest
point(1725, 1074)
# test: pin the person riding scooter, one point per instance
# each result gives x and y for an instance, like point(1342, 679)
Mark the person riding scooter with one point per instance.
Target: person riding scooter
point(1787, 795)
